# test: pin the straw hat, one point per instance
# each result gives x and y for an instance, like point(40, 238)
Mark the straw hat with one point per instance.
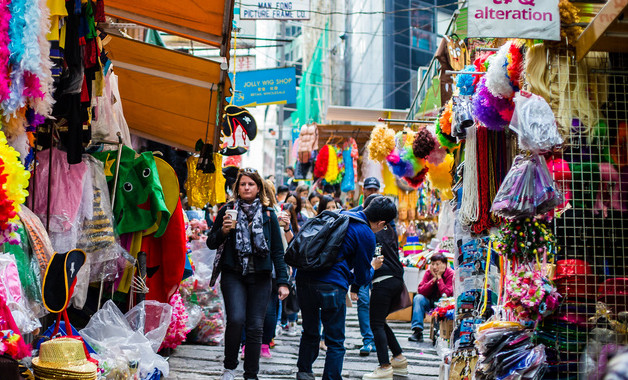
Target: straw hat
point(63, 358)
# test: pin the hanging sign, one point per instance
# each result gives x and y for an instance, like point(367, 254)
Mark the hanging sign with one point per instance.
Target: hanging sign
point(272, 86)
point(276, 10)
point(533, 19)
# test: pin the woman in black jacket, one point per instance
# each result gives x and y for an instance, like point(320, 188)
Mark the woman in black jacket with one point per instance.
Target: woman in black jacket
point(387, 287)
point(247, 237)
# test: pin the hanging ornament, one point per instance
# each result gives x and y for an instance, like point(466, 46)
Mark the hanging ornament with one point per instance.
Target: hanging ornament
point(381, 143)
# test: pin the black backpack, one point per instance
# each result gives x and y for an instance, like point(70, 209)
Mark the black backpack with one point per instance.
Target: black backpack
point(315, 247)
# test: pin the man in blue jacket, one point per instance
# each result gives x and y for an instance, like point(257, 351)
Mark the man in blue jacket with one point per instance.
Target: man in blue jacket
point(322, 295)
point(362, 294)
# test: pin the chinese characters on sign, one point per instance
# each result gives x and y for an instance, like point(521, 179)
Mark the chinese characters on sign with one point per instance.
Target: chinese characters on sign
point(275, 10)
point(534, 19)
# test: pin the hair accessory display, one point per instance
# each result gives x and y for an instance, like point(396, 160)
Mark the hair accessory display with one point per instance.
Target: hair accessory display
point(531, 295)
point(526, 239)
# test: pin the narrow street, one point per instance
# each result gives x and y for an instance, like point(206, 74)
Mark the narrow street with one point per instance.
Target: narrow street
point(205, 362)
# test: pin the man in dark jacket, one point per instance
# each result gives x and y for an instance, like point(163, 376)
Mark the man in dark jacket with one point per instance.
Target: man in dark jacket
point(322, 294)
point(437, 282)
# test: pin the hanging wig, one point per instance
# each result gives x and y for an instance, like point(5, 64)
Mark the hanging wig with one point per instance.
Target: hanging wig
point(537, 75)
point(466, 82)
point(497, 80)
point(569, 15)
point(445, 117)
point(494, 112)
point(322, 162)
point(381, 143)
point(445, 140)
point(424, 143)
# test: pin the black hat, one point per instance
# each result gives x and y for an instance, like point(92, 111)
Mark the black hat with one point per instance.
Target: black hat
point(60, 279)
point(371, 183)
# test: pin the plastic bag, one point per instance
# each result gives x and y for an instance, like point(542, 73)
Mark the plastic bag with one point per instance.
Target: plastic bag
point(196, 291)
point(534, 123)
point(152, 319)
point(110, 334)
point(527, 190)
point(11, 293)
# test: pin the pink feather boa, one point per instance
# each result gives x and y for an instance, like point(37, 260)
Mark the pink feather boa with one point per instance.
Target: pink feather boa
point(5, 17)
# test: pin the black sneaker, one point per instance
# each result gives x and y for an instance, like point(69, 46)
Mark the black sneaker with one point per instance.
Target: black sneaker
point(417, 336)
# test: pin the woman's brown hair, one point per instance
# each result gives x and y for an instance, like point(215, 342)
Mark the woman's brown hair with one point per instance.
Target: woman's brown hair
point(254, 175)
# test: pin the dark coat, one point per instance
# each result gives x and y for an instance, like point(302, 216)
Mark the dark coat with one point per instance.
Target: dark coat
point(272, 233)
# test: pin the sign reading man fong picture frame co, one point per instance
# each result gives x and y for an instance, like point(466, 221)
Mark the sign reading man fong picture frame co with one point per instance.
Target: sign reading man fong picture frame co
point(533, 19)
point(275, 10)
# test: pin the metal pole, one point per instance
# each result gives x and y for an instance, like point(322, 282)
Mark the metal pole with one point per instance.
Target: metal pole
point(280, 153)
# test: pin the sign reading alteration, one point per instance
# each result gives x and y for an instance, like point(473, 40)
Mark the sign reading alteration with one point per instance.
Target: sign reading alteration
point(534, 19)
point(275, 10)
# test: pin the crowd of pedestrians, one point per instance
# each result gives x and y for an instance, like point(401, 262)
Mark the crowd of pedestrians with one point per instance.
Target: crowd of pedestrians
point(250, 235)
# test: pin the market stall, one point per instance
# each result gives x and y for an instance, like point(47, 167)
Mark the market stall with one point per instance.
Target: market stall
point(95, 240)
point(535, 129)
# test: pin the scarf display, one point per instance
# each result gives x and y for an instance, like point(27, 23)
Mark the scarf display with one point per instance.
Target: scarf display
point(250, 233)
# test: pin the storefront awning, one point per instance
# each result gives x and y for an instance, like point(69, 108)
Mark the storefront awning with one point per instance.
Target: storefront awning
point(166, 94)
point(608, 31)
point(204, 21)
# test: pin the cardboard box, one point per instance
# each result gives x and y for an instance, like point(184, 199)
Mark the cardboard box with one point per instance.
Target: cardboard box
point(446, 328)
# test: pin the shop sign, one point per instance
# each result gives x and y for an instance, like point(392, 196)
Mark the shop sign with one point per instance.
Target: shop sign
point(533, 19)
point(275, 10)
point(258, 87)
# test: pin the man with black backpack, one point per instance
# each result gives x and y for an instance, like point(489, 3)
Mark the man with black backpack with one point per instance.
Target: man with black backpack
point(322, 292)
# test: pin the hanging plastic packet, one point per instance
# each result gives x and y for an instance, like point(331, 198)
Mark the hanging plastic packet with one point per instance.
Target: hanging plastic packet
point(534, 123)
point(527, 190)
point(462, 116)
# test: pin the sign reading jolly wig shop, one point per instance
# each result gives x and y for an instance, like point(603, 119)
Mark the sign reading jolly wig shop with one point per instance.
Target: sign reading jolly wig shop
point(533, 19)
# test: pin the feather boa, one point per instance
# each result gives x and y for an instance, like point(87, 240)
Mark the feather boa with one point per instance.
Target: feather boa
point(16, 99)
point(381, 143)
point(16, 125)
point(5, 19)
point(31, 58)
point(481, 65)
point(331, 175)
point(515, 65)
point(43, 106)
point(437, 156)
point(16, 30)
point(13, 190)
point(320, 166)
point(177, 330)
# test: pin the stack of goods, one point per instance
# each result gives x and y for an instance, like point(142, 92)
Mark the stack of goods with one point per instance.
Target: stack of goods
point(63, 358)
point(507, 352)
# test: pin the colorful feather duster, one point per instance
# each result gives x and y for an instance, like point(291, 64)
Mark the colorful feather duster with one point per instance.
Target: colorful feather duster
point(381, 143)
point(418, 179)
point(466, 82)
point(494, 112)
point(424, 143)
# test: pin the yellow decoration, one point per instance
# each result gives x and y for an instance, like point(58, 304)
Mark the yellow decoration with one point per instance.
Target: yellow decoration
point(16, 184)
point(332, 166)
point(440, 176)
point(390, 185)
point(382, 142)
point(202, 188)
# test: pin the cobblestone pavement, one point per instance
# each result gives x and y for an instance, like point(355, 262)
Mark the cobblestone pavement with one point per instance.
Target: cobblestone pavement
point(191, 362)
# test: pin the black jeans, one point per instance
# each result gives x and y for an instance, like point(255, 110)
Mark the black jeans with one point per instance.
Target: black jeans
point(327, 303)
point(246, 299)
point(384, 293)
point(270, 320)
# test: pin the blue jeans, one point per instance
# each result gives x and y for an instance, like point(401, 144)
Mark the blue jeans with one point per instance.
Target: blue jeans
point(246, 300)
point(420, 305)
point(327, 303)
point(364, 300)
